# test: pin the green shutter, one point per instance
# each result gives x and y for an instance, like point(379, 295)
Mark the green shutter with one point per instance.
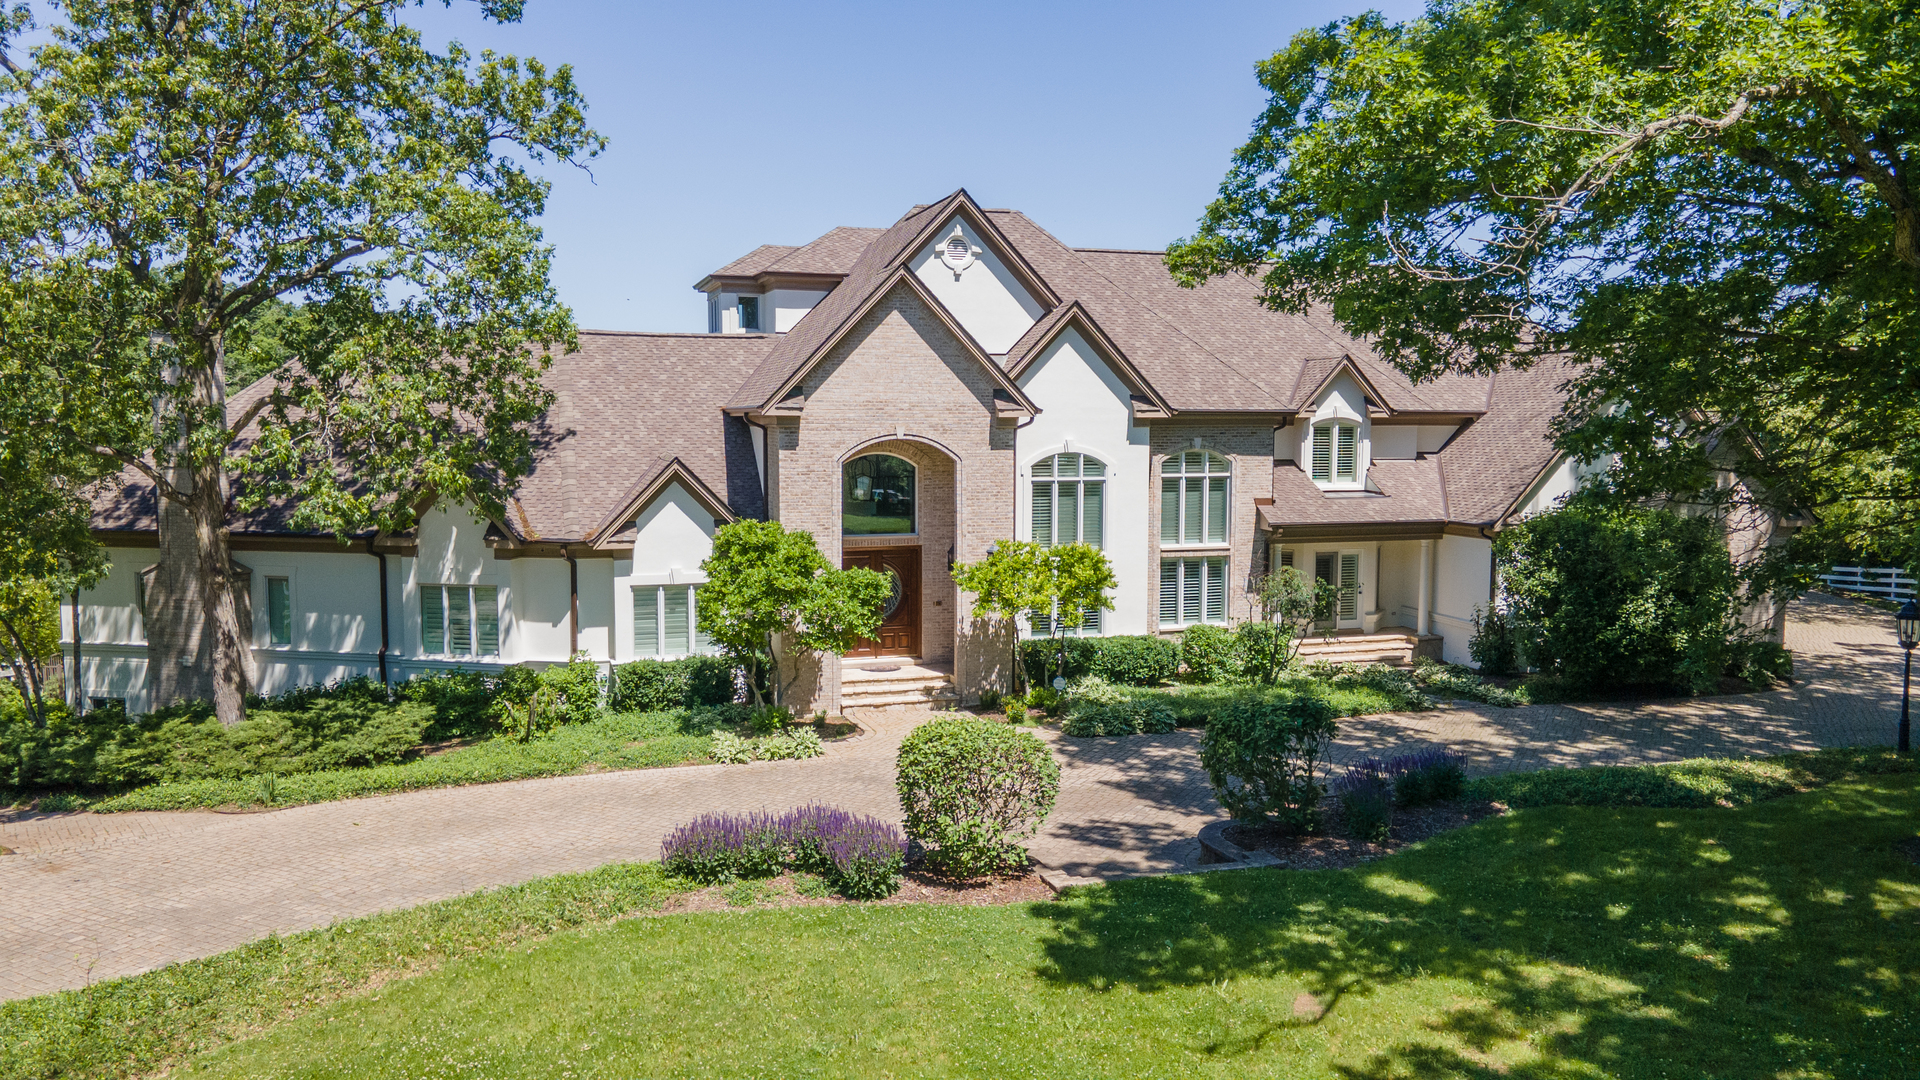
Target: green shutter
point(1170, 592)
point(1092, 467)
point(1043, 514)
point(433, 622)
point(1346, 465)
point(1169, 510)
point(1192, 513)
point(1043, 467)
point(279, 611)
point(678, 643)
point(486, 619)
point(459, 622)
point(1322, 455)
point(1191, 589)
point(1066, 528)
point(1216, 509)
point(1286, 556)
point(1092, 510)
point(646, 620)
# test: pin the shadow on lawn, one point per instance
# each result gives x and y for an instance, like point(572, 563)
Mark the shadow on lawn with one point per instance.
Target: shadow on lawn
point(1775, 940)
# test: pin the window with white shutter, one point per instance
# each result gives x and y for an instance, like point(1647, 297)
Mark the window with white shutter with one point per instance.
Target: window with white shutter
point(666, 621)
point(1194, 491)
point(460, 620)
point(1193, 590)
point(1335, 457)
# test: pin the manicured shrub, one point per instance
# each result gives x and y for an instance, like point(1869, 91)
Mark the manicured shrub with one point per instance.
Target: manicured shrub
point(656, 685)
point(187, 742)
point(1016, 711)
point(462, 701)
point(1133, 659)
point(1609, 596)
point(973, 790)
point(1260, 753)
point(1758, 662)
point(1207, 653)
point(862, 857)
point(1098, 707)
point(1366, 797)
point(1045, 700)
point(1428, 776)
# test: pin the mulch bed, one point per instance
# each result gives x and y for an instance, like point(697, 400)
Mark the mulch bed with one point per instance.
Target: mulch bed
point(917, 887)
point(1330, 850)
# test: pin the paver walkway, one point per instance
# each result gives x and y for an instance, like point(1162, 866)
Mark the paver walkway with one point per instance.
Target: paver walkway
point(89, 897)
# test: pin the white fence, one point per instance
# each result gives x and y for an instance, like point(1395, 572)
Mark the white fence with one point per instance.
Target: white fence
point(1890, 582)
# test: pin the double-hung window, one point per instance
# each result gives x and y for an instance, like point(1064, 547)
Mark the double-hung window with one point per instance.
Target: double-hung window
point(666, 621)
point(1193, 499)
point(279, 611)
point(460, 620)
point(1336, 453)
point(1195, 486)
point(1069, 507)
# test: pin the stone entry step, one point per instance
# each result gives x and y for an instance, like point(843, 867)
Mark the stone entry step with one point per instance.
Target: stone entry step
point(868, 684)
point(1398, 647)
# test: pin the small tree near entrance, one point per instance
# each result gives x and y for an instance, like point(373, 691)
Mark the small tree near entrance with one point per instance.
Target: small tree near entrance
point(763, 580)
point(1021, 578)
point(1288, 602)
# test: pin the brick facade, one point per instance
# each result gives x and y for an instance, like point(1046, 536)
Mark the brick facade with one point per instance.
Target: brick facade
point(901, 383)
point(1249, 448)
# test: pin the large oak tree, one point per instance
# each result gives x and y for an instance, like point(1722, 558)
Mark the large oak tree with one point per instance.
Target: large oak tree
point(169, 168)
point(1710, 205)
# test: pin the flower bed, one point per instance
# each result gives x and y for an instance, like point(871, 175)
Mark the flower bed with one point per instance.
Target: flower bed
point(861, 857)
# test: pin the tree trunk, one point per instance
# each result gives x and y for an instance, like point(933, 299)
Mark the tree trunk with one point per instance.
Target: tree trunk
point(26, 673)
point(197, 630)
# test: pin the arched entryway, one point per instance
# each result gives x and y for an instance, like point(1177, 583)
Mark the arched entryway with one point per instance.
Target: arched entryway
point(897, 518)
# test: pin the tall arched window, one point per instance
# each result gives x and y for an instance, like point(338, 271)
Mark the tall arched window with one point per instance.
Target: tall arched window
point(1336, 452)
point(1193, 498)
point(1069, 500)
point(876, 497)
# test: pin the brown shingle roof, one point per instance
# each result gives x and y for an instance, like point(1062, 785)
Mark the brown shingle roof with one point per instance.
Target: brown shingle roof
point(831, 254)
point(1491, 464)
point(1410, 491)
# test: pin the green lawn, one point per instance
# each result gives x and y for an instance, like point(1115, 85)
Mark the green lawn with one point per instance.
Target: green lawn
point(1772, 940)
point(615, 741)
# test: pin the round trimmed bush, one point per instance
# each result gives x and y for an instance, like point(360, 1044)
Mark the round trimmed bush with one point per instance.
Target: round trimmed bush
point(1207, 652)
point(973, 790)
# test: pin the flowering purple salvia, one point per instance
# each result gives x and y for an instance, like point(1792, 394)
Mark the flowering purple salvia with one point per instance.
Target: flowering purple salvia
point(1431, 758)
point(863, 855)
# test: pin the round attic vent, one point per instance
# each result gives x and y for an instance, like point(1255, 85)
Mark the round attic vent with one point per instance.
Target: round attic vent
point(957, 253)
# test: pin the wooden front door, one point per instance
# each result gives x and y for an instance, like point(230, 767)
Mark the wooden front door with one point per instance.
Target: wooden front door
point(900, 618)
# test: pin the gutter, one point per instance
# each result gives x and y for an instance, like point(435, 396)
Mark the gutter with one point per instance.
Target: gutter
point(573, 604)
point(382, 556)
point(79, 690)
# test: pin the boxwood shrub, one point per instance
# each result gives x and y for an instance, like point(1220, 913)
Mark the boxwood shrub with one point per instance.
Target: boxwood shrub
point(973, 790)
point(1134, 659)
point(653, 685)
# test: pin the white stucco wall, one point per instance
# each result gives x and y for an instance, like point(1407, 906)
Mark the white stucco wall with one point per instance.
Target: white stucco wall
point(1086, 409)
point(336, 617)
point(675, 535)
point(1552, 489)
point(986, 298)
point(1369, 613)
point(1463, 581)
point(452, 551)
point(113, 639)
point(788, 306)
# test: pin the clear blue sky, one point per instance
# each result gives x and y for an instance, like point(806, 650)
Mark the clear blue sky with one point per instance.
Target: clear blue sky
point(733, 125)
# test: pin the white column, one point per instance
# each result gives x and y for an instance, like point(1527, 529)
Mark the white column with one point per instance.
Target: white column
point(1424, 624)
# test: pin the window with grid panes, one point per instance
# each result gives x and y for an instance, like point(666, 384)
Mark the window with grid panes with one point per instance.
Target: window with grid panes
point(1336, 453)
point(1193, 498)
point(1069, 507)
point(1193, 590)
point(460, 620)
point(666, 621)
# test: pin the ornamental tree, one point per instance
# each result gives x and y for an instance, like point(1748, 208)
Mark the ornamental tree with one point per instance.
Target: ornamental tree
point(169, 170)
point(1006, 585)
point(1706, 209)
point(1288, 602)
point(764, 581)
point(1019, 578)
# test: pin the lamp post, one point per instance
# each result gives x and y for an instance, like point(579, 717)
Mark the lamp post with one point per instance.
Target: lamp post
point(1908, 623)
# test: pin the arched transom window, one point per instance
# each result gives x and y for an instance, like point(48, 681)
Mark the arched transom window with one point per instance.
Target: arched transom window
point(876, 497)
point(1193, 498)
point(1336, 452)
point(1069, 500)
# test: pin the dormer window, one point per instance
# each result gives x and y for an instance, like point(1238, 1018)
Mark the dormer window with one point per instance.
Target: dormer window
point(749, 313)
point(1336, 453)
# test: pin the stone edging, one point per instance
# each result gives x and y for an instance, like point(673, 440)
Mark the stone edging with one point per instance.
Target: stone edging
point(1224, 854)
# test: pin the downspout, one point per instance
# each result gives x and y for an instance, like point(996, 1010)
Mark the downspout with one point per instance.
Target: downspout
point(382, 556)
point(79, 691)
point(573, 605)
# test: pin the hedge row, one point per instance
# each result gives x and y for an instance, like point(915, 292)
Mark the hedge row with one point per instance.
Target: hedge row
point(1134, 660)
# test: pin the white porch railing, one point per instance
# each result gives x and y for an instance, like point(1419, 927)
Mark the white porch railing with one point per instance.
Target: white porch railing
point(1888, 581)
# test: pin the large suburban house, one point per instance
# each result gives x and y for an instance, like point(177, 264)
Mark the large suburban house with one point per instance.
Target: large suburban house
point(911, 395)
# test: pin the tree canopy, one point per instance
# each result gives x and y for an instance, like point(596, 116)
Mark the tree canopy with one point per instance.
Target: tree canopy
point(1708, 206)
point(173, 175)
point(763, 581)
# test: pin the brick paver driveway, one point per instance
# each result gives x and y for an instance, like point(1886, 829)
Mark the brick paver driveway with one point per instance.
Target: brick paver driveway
point(89, 897)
